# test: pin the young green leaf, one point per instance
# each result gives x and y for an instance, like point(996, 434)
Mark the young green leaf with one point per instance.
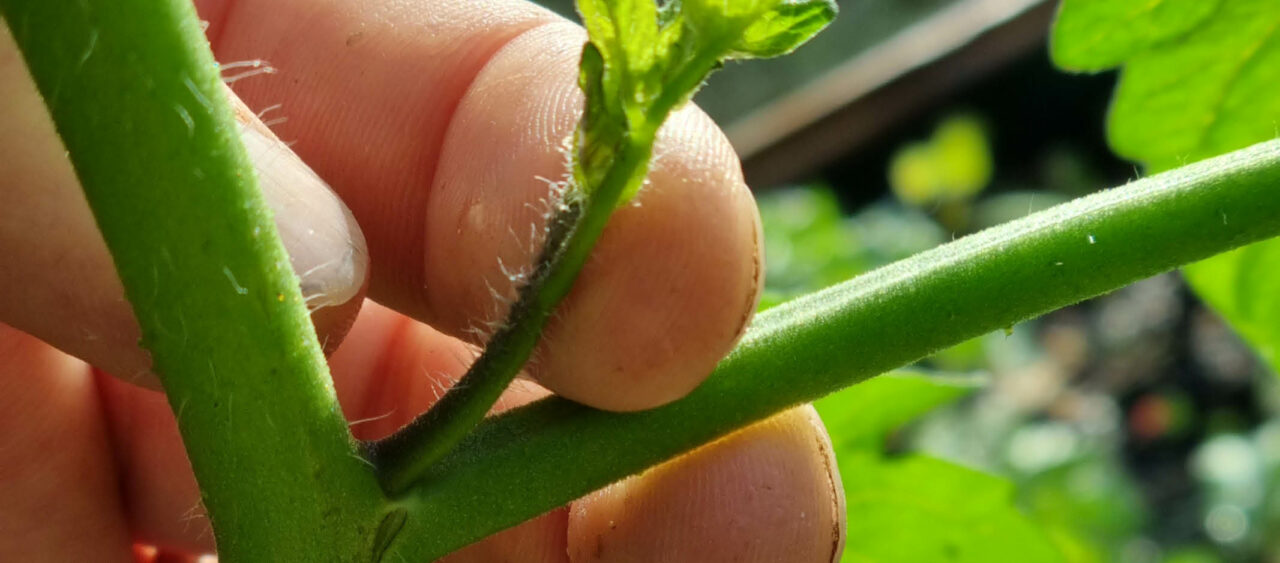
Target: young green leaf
point(1201, 84)
point(625, 32)
point(784, 28)
point(644, 61)
point(746, 29)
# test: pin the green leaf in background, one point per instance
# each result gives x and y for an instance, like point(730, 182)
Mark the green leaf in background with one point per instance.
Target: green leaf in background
point(955, 164)
point(810, 244)
point(1193, 555)
point(1096, 35)
point(1210, 92)
point(1088, 504)
point(1244, 286)
point(807, 243)
point(860, 417)
point(1204, 84)
point(920, 509)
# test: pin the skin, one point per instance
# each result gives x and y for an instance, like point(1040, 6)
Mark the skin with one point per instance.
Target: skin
point(432, 121)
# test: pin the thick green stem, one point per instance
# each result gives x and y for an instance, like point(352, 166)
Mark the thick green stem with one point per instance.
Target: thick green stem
point(530, 460)
point(229, 334)
point(136, 97)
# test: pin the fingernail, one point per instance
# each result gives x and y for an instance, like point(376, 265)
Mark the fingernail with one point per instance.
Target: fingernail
point(326, 247)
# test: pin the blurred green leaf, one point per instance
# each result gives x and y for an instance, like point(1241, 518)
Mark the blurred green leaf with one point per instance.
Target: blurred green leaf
point(1007, 206)
point(966, 356)
point(1244, 287)
point(1094, 35)
point(1090, 498)
point(860, 417)
point(1210, 91)
point(913, 175)
point(955, 164)
point(920, 509)
point(1074, 549)
point(892, 232)
point(807, 243)
point(1193, 555)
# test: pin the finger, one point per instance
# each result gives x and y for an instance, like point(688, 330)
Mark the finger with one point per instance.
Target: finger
point(769, 493)
point(541, 540)
point(411, 365)
point(57, 281)
point(58, 500)
point(775, 480)
point(435, 126)
point(161, 499)
point(149, 554)
point(673, 280)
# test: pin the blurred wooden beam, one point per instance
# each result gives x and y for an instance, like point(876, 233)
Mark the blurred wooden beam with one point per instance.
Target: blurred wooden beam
point(861, 99)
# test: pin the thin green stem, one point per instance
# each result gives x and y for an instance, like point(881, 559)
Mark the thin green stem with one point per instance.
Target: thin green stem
point(403, 457)
point(611, 159)
point(533, 459)
point(682, 84)
point(136, 97)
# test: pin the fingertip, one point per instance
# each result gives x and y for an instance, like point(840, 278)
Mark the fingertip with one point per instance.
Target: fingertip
point(540, 540)
point(672, 282)
point(156, 484)
point(768, 493)
point(58, 478)
point(333, 323)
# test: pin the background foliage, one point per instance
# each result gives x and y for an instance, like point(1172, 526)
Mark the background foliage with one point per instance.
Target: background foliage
point(1133, 428)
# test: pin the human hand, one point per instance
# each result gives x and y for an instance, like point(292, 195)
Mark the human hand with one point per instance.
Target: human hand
point(433, 121)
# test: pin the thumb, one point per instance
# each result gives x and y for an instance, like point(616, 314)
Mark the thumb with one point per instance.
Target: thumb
point(57, 280)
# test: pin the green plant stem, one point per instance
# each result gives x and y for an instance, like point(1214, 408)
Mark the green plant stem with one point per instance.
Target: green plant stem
point(532, 459)
point(403, 457)
point(623, 147)
point(136, 97)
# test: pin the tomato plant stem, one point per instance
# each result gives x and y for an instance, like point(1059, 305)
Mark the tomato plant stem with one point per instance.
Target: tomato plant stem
point(535, 458)
point(571, 234)
point(134, 93)
point(136, 97)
